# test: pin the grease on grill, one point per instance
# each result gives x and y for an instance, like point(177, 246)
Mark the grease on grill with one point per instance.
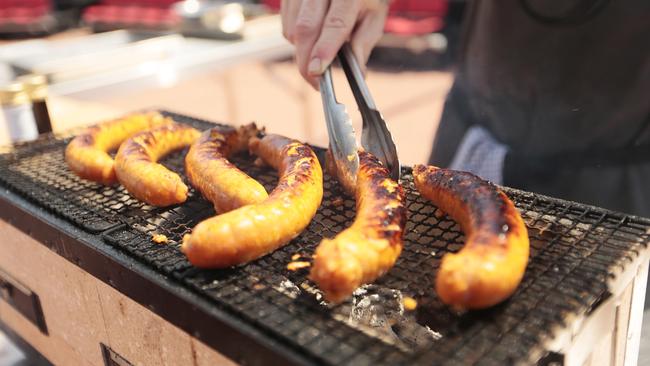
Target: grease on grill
point(409, 303)
point(296, 265)
point(159, 238)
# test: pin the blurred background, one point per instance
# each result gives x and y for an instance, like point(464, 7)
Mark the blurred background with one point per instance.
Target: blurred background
point(223, 61)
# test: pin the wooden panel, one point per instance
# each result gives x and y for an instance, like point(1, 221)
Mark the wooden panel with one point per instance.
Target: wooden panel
point(205, 356)
point(81, 312)
point(636, 316)
point(141, 336)
point(622, 319)
point(68, 296)
point(592, 330)
point(144, 338)
point(602, 354)
point(54, 348)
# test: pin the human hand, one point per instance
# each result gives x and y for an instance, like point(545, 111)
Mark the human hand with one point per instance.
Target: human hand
point(318, 28)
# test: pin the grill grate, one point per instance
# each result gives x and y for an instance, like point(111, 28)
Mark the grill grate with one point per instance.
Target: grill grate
point(575, 251)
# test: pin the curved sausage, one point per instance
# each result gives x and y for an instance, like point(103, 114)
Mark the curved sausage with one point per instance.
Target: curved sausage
point(370, 247)
point(210, 172)
point(137, 169)
point(252, 231)
point(493, 261)
point(87, 154)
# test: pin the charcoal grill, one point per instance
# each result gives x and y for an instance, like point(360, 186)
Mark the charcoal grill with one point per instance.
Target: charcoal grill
point(263, 313)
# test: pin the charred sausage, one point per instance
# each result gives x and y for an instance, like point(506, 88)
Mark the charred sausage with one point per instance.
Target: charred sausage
point(370, 247)
point(252, 231)
point(209, 170)
point(137, 169)
point(87, 154)
point(492, 263)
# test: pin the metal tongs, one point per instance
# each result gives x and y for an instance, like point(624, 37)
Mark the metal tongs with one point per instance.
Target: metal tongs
point(375, 136)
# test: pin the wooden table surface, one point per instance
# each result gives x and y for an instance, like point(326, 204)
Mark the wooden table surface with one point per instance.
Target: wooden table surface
point(274, 95)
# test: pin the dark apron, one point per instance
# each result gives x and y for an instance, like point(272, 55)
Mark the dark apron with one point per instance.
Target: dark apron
point(567, 90)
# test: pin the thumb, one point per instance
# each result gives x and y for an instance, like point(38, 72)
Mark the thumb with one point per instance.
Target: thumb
point(337, 26)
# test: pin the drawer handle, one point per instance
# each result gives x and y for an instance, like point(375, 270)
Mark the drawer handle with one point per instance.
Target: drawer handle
point(112, 358)
point(23, 300)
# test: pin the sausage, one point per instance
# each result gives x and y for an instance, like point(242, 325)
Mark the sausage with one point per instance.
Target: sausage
point(137, 169)
point(371, 245)
point(492, 263)
point(252, 231)
point(87, 154)
point(210, 172)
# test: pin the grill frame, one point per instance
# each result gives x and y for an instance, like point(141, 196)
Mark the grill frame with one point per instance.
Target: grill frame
point(90, 249)
point(213, 326)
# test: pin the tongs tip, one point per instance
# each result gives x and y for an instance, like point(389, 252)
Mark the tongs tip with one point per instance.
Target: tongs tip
point(343, 146)
point(375, 136)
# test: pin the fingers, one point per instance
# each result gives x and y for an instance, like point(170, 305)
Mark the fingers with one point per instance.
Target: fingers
point(337, 26)
point(289, 12)
point(318, 28)
point(284, 14)
point(307, 29)
point(368, 32)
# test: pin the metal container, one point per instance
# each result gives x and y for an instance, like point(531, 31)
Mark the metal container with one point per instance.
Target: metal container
point(17, 112)
point(36, 88)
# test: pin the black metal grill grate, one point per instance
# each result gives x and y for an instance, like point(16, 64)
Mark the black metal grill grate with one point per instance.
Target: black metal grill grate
point(575, 251)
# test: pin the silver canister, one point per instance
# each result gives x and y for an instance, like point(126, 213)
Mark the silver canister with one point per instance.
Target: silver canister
point(19, 122)
point(36, 87)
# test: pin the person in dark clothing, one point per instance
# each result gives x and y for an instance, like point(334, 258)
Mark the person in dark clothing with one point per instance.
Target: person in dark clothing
point(558, 97)
point(549, 97)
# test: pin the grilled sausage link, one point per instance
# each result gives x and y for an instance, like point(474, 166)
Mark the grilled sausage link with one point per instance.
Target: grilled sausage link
point(87, 154)
point(252, 231)
point(370, 247)
point(493, 261)
point(137, 169)
point(209, 170)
